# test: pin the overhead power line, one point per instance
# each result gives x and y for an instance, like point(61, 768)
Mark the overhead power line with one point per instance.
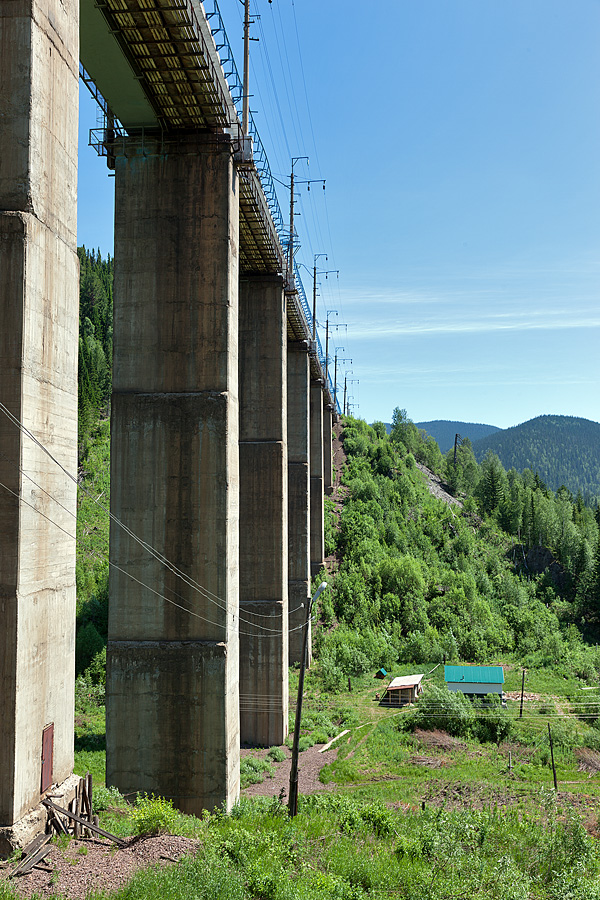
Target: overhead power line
point(194, 585)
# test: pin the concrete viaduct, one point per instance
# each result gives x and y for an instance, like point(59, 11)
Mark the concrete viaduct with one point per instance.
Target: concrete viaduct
point(221, 418)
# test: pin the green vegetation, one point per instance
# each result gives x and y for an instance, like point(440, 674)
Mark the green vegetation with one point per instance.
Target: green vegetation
point(510, 574)
point(420, 579)
point(563, 450)
point(95, 339)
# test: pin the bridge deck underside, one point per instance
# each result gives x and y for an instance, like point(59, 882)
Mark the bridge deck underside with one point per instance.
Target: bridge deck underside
point(170, 53)
point(173, 59)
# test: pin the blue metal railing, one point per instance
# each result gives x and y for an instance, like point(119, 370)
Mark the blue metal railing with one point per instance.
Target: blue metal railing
point(236, 88)
point(308, 313)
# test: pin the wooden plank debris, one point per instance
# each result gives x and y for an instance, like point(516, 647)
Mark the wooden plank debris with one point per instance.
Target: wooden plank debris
point(76, 818)
point(34, 853)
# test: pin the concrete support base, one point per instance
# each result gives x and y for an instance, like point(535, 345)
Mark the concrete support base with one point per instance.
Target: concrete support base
point(23, 831)
point(263, 513)
point(39, 302)
point(167, 693)
point(263, 703)
point(327, 448)
point(317, 528)
point(298, 389)
point(172, 674)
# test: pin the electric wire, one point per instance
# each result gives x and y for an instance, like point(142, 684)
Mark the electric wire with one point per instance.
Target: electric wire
point(194, 585)
point(118, 568)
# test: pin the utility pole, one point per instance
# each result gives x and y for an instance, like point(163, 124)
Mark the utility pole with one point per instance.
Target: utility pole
point(329, 312)
point(293, 182)
point(293, 798)
point(457, 440)
point(335, 377)
point(552, 758)
point(522, 693)
point(246, 98)
point(314, 321)
point(315, 273)
point(342, 359)
point(351, 381)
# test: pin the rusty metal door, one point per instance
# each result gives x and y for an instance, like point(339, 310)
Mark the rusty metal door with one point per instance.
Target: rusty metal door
point(47, 756)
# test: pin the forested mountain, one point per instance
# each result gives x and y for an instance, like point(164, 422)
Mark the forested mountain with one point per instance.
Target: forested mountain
point(562, 450)
point(444, 431)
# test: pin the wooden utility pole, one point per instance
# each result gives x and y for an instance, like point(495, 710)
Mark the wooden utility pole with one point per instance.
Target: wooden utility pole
point(552, 758)
point(293, 798)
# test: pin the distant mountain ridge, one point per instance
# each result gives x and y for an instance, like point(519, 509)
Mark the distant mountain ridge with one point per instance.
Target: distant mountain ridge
point(444, 431)
point(563, 450)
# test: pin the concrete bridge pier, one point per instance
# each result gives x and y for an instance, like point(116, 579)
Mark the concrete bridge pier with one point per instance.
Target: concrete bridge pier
point(327, 447)
point(317, 532)
point(298, 400)
point(172, 674)
point(263, 511)
point(39, 301)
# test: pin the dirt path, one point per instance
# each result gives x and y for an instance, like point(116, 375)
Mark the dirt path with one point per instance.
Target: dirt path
point(310, 763)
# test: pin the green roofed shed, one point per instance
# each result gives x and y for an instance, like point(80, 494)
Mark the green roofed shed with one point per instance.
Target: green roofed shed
point(475, 680)
point(491, 674)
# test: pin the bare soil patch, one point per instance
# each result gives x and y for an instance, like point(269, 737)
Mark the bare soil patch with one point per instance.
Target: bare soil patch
point(310, 763)
point(589, 760)
point(440, 739)
point(438, 488)
point(527, 697)
point(432, 762)
point(84, 866)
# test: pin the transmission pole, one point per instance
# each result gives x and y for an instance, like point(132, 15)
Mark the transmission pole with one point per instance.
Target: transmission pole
point(314, 321)
point(246, 104)
point(329, 312)
point(342, 359)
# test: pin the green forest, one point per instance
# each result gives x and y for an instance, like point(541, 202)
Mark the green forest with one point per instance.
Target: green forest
point(511, 572)
point(564, 450)
point(441, 800)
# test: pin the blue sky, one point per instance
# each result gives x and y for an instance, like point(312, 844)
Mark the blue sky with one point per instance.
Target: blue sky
point(459, 140)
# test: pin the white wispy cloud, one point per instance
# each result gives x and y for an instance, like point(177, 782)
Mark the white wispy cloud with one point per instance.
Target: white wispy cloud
point(508, 321)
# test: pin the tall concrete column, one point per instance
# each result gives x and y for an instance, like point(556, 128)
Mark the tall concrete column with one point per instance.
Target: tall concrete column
point(327, 447)
point(39, 301)
point(298, 389)
point(317, 532)
point(263, 512)
point(172, 675)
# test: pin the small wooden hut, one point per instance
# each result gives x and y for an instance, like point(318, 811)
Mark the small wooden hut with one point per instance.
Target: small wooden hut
point(403, 690)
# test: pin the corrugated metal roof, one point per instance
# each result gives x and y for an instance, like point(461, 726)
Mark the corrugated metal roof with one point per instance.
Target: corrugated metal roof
point(486, 674)
point(404, 681)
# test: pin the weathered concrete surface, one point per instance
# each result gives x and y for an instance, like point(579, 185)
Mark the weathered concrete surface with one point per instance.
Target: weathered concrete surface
point(327, 447)
point(23, 831)
point(176, 685)
point(263, 512)
point(172, 684)
point(317, 529)
point(263, 703)
point(39, 279)
point(298, 407)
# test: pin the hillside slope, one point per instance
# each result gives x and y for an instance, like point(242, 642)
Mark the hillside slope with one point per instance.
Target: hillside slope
point(563, 450)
